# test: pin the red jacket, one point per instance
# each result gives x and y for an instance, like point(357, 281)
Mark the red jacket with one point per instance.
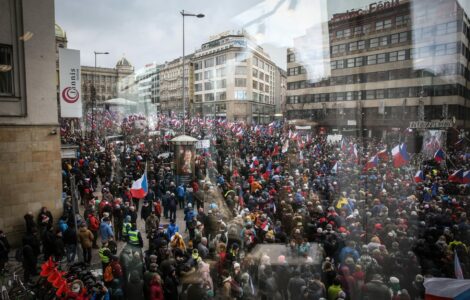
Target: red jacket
point(94, 223)
point(156, 292)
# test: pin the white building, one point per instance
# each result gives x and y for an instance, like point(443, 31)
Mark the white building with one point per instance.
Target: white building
point(234, 78)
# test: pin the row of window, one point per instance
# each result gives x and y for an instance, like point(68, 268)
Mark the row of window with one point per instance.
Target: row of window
point(210, 85)
point(427, 51)
point(260, 86)
point(381, 41)
point(238, 95)
point(406, 73)
point(392, 93)
point(398, 113)
point(367, 28)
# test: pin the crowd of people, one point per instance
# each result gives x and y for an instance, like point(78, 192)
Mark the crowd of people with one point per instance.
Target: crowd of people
point(305, 217)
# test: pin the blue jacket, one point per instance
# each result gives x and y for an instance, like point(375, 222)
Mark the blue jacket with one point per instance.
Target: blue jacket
point(106, 231)
point(180, 191)
point(171, 230)
point(63, 226)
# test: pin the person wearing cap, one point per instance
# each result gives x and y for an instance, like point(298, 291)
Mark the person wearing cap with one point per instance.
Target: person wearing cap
point(180, 194)
point(172, 205)
point(165, 204)
point(189, 215)
point(294, 285)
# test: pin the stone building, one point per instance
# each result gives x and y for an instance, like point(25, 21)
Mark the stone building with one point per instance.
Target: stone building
point(30, 159)
point(234, 78)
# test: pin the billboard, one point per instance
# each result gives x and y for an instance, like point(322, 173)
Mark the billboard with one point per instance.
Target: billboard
point(70, 83)
point(433, 140)
point(185, 160)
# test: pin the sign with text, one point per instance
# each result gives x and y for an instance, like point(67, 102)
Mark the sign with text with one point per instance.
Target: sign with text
point(70, 85)
point(203, 144)
point(431, 124)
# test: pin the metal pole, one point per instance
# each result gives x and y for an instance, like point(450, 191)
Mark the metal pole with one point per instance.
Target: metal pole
point(93, 102)
point(184, 102)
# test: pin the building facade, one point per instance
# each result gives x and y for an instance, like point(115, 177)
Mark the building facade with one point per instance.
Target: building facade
point(110, 82)
point(280, 91)
point(147, 80)
point(234, 79)
point(171, 86)
point(30, 158)
point(389, 65)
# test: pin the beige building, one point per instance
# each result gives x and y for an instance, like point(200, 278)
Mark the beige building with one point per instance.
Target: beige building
point(280, 91)
point(110, 82)
point(171, 86)
point(388, 66)
point(235, 79)
point(30, 161)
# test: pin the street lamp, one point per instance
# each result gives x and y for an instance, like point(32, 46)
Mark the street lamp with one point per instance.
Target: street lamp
point(186, 14)
point(93, 99)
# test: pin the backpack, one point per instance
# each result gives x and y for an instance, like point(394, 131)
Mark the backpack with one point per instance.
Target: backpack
point(108, 274)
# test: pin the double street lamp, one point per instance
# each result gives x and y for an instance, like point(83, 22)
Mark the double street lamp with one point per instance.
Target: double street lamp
point(186, 14)
point(93, 98)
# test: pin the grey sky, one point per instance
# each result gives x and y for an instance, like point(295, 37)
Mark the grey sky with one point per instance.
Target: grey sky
point(150, 30)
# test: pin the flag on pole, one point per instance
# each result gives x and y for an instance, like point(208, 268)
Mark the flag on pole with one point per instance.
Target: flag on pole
point(419, 176)
point(400, 156)
point(372, 163)
point(457, 176)
point(382, 154)
point(139, 188)
point(439, 155)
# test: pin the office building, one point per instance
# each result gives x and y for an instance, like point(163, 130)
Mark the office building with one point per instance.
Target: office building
point(147, 80)
point(171, 86)
point(234, 79)
point(389, 64)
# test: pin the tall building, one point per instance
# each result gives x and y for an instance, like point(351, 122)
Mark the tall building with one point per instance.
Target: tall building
point(171, 85)
point(148, 84)
point(234, 78)
point(389, 64)
point(30, 158)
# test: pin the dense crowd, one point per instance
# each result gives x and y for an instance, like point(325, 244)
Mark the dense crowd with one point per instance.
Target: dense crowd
point(306, 218)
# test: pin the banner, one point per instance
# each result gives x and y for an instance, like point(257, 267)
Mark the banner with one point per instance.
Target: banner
point(185, 160)
point(70, 83)
point(433, 140)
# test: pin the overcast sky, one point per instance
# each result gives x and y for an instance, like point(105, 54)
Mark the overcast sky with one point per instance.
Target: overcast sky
point(145, 31)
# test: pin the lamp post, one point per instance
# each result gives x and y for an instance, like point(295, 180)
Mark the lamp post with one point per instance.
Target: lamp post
point(93, 99)
point(186, 14)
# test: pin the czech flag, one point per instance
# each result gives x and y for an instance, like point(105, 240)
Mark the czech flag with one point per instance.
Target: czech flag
point(382, 154)
point(372, 163)
point(400, 156)
point(466, 177)
point(439, 155)
point(446, 289)
point(457, 176)
point(419, 176)
point(140, 188)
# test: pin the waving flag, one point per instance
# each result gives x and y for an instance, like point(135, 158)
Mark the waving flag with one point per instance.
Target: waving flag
point(139, 188)
point(344, 146)
point(457, 176)
point(419, 176)
point(439, 155)
point(372, 163)
point(275, 151)
point(400, 156)
point(466, 177)
point(382, 154)
point(446, 289)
